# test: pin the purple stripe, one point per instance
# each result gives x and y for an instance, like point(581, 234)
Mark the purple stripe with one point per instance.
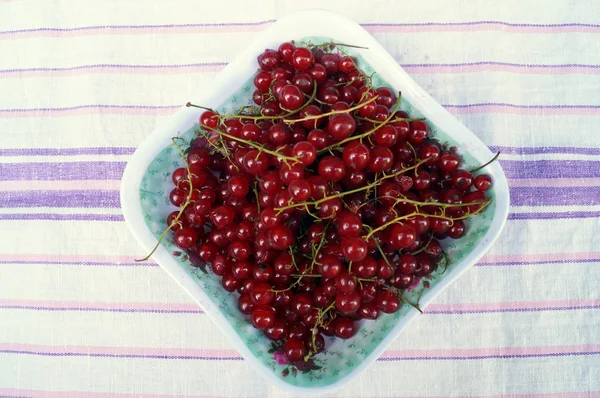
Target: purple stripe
point(89, 198)
point(111, 170)
point(119, 218)
point(147, 264)
point(499, 356)
point(66, 171)
point(91, 309)
point(115, 66)
point(550, 168)
point(87, 264)
point(108, 27)
point(61, 217)
point(130, 150)
point(544, 150)
point(266, 22)
point(550, 216)
point(521, 263)
point(544, 196)
point(89, 106)
point(86, 354)
point(533, 66)
point(66, 151)
point(520, 196)
point(168, 311)
point(145, 107)
point(464, 312)
point(212, 358)
point(520, 106)
point(209, 64)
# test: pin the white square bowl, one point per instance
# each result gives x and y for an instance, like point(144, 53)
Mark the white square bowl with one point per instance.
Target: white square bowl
point(343, 360)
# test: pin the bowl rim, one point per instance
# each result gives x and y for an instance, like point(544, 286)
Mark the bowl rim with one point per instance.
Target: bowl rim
point(220, 89)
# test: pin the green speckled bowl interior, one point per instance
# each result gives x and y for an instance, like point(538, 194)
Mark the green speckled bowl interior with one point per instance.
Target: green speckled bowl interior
point(340, 357)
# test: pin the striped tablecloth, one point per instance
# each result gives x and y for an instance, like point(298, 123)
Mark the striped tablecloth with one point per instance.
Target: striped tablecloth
point(82, 83)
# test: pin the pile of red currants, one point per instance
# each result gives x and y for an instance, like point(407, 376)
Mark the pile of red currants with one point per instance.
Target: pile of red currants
point(321, 203)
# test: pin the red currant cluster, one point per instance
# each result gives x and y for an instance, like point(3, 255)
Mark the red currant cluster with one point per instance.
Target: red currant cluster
point(323, 202)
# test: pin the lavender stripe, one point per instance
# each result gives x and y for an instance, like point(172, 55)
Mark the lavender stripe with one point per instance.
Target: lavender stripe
point(260, 23)
point(90, 106)
point(544, 150)
point(115, 66)
point(111, 170)
point(550, 168)
point(520, 196)
point(550, 216)
point(91, 264)
point(147, 264)
point(155, 107)
point(211, 358)
point(129, 150)
point(89, 198)
point(208, 64)
point(62, 217)
point(66, 151)
point(107, 27)
point(198, 311)
point(533, 66)
point(92, 309)
point(85, 354)
point(544, 196)
point(464, 312)
point(520, 263)
point(66, 171)
point(499, 356)
point(555, 106)
point(119, 218)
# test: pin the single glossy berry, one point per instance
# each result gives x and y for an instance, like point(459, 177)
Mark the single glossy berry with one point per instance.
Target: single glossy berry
point(341, 126)
point(457, 229)
point(332, 168)
point(209, 119)
point(462, 179)
point(330, 266)
point(286, 50)
point(348, 224)
point(354, 248)
point(186, 237)
point(401, 236)
point(281, 237)
point(268, 60)
point(239, 185)
point(263, 316)
point(356, 155)
point(294, 349)
point(300, 190)
point(482, 182)
point(387, 301)
point(291, 97)
point(381, 159)
point(344, 327)
point(347, 303)
point(345, 282)
point(302, 58)
point(222, 216)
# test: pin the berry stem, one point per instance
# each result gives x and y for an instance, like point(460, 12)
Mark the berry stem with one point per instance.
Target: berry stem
point(332, 112)
point(444, 205)
point(489, 162)
point(251, 143)
point(341, 194)
point(183, 207)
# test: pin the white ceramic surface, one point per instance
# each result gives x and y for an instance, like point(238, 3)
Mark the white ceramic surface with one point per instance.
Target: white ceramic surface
point(296, 26)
